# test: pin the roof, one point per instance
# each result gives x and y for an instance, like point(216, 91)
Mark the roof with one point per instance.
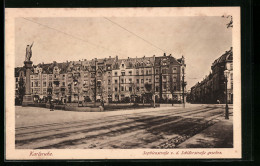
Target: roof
point(227, 56)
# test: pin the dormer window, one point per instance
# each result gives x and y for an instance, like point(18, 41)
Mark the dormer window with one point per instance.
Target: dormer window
point(123, 65)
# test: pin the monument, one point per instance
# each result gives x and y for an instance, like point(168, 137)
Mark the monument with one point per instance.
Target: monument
point(27, 98)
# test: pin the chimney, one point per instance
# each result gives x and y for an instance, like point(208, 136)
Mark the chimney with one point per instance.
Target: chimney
point(231, 48)
point(109, 57)
point(164, 54)
point(116, 58)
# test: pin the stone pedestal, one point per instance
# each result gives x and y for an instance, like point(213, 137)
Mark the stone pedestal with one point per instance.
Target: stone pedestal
point(27, 98)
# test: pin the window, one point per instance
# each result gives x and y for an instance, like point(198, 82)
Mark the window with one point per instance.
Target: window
point(50, 84)
point(130, 89)
point(150, 80)
point(63, 83)
point(32, 84)
point(137, 81)
point(164, 71)
point(130, 80)
point(174, 88)
point(164, 77)
point(137, 72)
point(108, 82)
point(142, 71)
point(123, 65)
point(231, 84)
point(142, 80)
point(115, 81)
point(157, 71)
point(157, 89)
point(122, 80)
point(231, 66)
point(92, 75)
point(231, 76)
point(174, 68)
point(122, 73)
point(16, 86)
point(164, 86)
point(115, 73)
point(16, 79)
point(122, 88)
point(44, 84)
point(147, 72)
point(116, 89)
point(137, 89)
point(130, 73)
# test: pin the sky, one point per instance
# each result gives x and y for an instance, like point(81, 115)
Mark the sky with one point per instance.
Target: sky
point(200, 39)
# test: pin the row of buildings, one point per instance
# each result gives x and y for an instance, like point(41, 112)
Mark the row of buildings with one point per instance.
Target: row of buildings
point(212, 89)
point(109, 79)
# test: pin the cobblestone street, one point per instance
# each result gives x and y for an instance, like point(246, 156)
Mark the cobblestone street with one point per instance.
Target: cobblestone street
point(165, 127)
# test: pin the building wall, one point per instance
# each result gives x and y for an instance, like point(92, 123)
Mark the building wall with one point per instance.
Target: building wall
point(212, 88)
point(114, 80)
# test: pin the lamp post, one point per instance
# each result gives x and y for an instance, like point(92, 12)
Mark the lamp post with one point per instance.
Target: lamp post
point(226, 73)
point(183, 86)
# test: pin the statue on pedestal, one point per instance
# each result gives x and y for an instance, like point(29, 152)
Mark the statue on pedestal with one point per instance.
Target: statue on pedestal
point(27, 98)
point(28, 52)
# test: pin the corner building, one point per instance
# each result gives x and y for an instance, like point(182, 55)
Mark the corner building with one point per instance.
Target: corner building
point(212, 88)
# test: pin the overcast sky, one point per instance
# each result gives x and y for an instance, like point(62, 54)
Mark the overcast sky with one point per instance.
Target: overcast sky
point(200, 40)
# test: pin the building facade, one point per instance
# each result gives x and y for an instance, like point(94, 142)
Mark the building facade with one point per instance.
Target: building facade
point(213, 87)
point(109, 79)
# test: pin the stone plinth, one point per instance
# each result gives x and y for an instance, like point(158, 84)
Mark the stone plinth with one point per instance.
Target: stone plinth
point(27, 99)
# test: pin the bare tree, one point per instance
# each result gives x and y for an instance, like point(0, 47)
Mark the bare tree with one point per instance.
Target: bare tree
point(103, 94)
point(172, 87)
point(133, 92)
point(148, 88)
point(21, 89)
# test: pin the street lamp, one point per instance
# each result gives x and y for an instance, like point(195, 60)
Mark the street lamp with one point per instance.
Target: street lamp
point(226, 73)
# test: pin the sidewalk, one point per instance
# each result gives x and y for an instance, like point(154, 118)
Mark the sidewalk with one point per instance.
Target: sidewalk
point(219, 135)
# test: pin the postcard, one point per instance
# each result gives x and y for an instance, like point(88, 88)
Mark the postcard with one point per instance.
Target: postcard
point(122, 83)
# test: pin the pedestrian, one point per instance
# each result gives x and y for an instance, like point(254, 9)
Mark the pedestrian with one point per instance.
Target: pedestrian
point(51, 105)
point(218, 101)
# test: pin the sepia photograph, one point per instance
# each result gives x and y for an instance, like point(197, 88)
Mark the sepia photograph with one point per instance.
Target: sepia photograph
point(154, 84)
